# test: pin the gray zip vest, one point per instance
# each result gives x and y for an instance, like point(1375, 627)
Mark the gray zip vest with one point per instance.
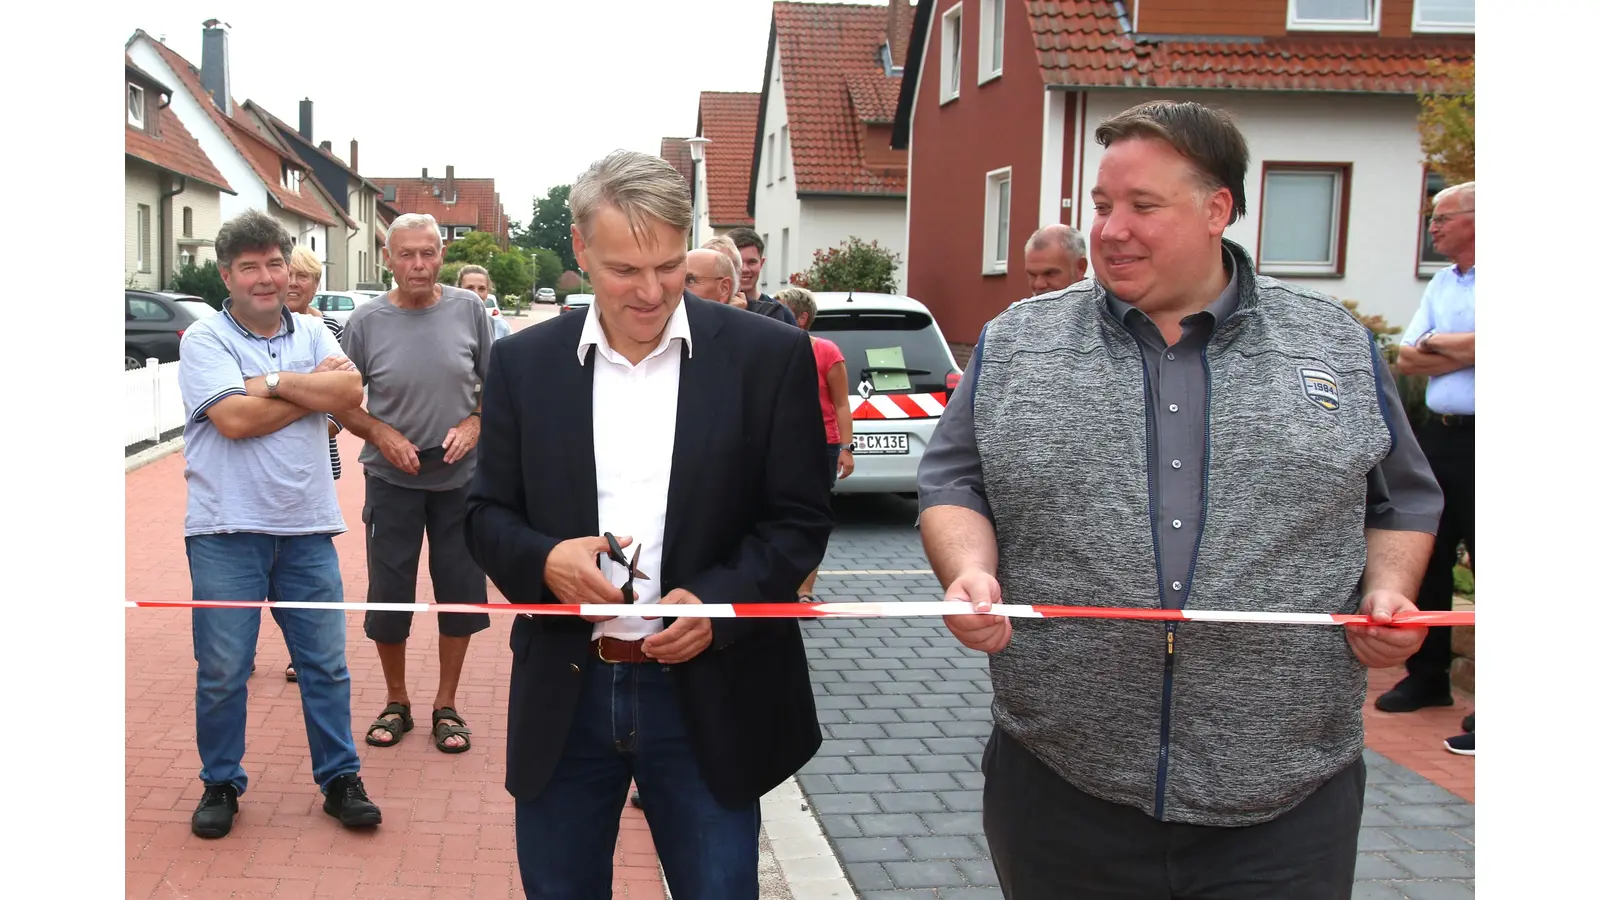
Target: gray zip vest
point(1201, 723)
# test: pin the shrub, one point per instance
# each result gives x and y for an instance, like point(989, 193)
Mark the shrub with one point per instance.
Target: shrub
point(201, 281)
point(854, 265)
point(1413, 389)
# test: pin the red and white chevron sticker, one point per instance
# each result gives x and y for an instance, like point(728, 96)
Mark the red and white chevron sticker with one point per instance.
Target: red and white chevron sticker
point(898, 406)
point(897, 610)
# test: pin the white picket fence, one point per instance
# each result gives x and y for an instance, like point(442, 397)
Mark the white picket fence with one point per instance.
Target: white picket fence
point(154, 404)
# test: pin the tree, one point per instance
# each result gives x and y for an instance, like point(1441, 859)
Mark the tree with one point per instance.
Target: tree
point(854, 265)
point(551, 227)
point(1445, 121)
point(510, 272)
point(450, 272)
point(201, 281)
point(476, 248)
point(547, 267)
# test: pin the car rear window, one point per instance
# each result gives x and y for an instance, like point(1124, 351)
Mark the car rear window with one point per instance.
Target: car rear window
point(887, 336)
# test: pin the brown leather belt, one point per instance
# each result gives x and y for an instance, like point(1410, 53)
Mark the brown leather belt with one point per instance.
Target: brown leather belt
point(611, 650)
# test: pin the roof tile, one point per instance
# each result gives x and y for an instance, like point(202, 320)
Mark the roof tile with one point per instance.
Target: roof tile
point(1080, 43)
point(833, 80)
point(728, 119)
point(175, 149)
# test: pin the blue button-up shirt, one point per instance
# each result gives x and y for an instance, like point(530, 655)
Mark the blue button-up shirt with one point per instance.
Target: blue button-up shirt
point(1448, 307)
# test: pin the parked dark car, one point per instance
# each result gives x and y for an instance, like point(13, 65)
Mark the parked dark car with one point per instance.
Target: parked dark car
point(156, 322)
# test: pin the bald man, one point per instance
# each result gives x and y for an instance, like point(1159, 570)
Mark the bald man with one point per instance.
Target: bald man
point(712, 275)
point(1054, 258)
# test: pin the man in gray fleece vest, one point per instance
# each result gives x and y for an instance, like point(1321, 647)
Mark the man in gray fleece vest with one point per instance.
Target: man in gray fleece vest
point(1178, 432)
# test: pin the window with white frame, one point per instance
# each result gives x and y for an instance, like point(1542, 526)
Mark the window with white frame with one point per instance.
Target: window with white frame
point(772, 157)
point(783, 152)
point(462, 231)
point(1303, 208)
point(135, 105)
point(766, 264)
point(950, 63)
point(290, 178)
point(1429, 259)
point(996, 221)
point(991, 39)
point(143, 237)
point(784, 273)
point(1443, 15)
point(1333, 15)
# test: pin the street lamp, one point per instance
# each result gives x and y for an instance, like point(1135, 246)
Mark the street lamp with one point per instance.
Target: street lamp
point(697, 154)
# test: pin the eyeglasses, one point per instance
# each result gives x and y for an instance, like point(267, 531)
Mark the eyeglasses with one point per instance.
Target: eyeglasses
point(614, 553)
point(1445, 219)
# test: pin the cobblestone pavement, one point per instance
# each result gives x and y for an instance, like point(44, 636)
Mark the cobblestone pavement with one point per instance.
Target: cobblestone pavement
point(905, 712)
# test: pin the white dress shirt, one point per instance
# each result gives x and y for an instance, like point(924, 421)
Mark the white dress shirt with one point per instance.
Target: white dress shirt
point(635, 426)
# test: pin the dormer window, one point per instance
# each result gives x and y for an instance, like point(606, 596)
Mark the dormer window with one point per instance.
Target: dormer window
point(290, 178)
point(136, 106)
point(1443, 16)
point(1333, 15)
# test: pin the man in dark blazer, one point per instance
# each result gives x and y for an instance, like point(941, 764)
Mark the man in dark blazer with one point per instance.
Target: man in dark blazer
point(692, 432)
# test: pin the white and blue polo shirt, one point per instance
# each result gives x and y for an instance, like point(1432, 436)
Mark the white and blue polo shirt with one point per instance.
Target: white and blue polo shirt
point(278, 483)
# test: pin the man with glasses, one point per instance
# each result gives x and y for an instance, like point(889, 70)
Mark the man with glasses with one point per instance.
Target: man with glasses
point(1441, 344)
point(711, 276)
point(678, 443)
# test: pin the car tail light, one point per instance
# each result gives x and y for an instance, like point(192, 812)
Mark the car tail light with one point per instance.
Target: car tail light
point(180, 334)
point(951, 380)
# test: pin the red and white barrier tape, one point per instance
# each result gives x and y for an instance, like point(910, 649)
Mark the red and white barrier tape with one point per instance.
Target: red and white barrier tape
point(835, 611)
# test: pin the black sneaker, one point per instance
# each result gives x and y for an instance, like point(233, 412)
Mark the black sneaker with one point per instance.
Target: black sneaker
point(1412, 694)
point(634, 799)
point(347, 801)
point(213, 818)
point(1462, 744)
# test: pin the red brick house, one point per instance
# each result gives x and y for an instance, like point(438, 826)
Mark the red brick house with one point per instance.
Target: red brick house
point(459, 205)
point(728, 120)
point(1000, 102)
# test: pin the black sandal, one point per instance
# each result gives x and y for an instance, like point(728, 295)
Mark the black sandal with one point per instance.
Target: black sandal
point(289, 674)
point(400, 710)
point(442, 730)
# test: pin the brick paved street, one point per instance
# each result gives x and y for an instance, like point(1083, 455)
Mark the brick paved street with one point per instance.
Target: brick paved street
point(447, 820)
point(906, 714)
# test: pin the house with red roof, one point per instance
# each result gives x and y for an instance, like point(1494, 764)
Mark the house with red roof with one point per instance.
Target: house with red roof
point(261, 174)
point(823, 169)
point(720, 189)
point(1001, 99)
point(675, 150)
point(459, 205)
point(172, 190)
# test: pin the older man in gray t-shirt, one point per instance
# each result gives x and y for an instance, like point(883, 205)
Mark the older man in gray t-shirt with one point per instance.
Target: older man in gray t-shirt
point(423, 349)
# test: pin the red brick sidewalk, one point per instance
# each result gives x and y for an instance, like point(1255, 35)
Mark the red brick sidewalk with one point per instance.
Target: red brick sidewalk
point(1416, 740)
point(447, 820)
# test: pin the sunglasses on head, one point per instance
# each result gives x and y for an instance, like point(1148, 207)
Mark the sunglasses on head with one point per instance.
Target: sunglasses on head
point(614, 553)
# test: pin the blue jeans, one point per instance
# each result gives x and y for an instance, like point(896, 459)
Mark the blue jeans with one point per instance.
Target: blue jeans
point(244, 566)
point(630, 724)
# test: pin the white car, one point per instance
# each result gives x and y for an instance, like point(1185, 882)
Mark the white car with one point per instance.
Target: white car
point(338, 305)
point(545, 295)
point(900, 372)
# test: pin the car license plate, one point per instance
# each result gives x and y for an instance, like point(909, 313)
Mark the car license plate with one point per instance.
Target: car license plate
point(882, 444)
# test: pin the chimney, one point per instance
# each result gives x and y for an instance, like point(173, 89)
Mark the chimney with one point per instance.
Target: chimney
point(449, 184)
point(305, 119)
point(424, 171)
point(353, 160)
point(214, 65)
point(899, 31)
point(326, 147)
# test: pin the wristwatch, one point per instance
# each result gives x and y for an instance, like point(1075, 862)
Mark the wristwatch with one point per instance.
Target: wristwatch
point(850, 446)
point(272, 384)
point(476, 412)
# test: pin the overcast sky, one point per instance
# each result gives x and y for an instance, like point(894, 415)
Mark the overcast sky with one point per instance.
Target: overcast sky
point(528, 93)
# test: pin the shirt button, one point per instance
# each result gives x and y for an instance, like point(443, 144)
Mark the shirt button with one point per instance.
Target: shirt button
point(1177, 523)
point(1176, 464)
point(1177, 585)
point(1171, 356)
point(1172, 408)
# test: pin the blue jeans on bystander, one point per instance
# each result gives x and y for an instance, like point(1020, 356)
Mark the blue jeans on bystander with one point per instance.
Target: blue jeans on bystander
point(247, 566)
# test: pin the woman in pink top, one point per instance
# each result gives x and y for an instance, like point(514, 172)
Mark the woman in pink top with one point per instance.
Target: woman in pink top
point(833, 393)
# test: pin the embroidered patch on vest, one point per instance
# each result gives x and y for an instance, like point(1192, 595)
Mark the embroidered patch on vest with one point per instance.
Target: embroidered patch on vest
point(1320, 387)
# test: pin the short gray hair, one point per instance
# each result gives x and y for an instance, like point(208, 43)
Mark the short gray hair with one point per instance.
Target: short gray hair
point(251, 231)
point(644, 188)
point(415, 221)
point(1064, 236)
point(730, 251)
point(1467, 190)
point(799, 301)
point(475, 270)
point(725, 267)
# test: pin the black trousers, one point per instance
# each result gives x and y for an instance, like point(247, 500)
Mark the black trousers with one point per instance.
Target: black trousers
point(1051, 841)
point(1449, 449)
